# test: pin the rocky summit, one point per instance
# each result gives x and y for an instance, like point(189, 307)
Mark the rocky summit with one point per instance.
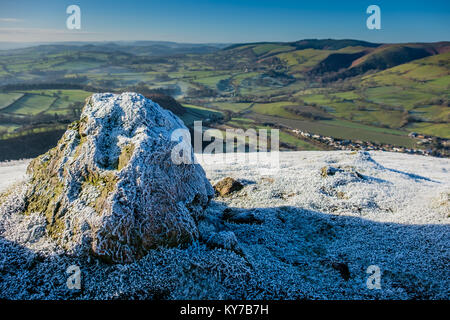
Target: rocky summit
point(110, 188)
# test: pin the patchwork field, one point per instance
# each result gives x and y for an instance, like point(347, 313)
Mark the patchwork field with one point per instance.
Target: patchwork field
point(7, 99)
point(345, 89)
point(30, 104)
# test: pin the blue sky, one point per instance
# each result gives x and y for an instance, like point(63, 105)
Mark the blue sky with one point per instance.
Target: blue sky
point(223, 21)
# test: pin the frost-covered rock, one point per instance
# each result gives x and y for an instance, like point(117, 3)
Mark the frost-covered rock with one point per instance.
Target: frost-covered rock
point(223, 239)
point(241, 216)
point(110, 187)
point(227, 186)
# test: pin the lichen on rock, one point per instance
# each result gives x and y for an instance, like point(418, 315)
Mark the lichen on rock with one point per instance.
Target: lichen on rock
point(110, 188)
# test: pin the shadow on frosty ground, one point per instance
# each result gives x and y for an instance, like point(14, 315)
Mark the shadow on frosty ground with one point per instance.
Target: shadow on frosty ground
point(277, 253)
point(265, 242)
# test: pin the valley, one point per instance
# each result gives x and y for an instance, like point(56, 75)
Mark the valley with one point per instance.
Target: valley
point(344, 89)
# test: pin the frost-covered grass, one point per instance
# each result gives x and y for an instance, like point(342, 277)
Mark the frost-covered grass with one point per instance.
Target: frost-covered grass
point(12, 171)
point(386, 209)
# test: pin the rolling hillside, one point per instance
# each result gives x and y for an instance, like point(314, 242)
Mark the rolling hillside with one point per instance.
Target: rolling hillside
point(343, 89)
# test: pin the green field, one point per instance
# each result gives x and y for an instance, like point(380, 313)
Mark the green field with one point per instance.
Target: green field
point(285, 138)
point(440, 129)
point(211, 81)
point(229, 106)
point(30, 104)
point(33, 102)
point(338, 130)
point(8, 128)
point(302, 60)
point(197, 113)
point(7, 99)
point(274, 109)
point(381, 95)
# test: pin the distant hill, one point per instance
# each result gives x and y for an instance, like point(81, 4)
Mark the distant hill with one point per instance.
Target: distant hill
point(349, 57)
point(344, 89)
point(320, 44)
point(388, 56)
point(336, 62)
point(154, 48)
point(331, 44)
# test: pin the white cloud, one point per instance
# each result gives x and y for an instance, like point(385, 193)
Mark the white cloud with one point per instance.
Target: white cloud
point(10, 20)
point(43, 35)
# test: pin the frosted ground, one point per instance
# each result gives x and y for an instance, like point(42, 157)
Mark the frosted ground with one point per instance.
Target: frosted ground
point(385, 209)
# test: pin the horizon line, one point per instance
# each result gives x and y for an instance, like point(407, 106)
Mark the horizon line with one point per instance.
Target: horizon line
point(217, 43)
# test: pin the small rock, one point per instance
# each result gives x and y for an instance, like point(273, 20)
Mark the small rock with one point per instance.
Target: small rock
point(276, 194)
point(227, 186)
point(289, 195)
point(328, 171)
point(240, 216)
point(342, 268)
point(223, 239)
point(267, 180)
point(209, 225)
point(352, 170)
point(331, 171)
point(341, 195)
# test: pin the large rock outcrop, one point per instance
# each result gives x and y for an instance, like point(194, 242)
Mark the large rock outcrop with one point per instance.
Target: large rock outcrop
point(110, 188)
